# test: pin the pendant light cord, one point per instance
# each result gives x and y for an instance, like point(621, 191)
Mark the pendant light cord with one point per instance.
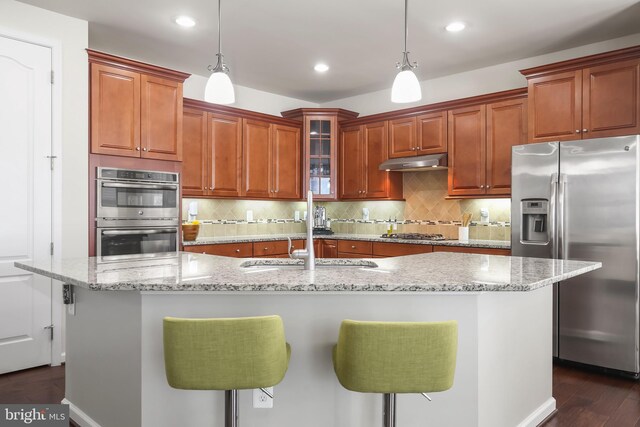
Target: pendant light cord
point(219, 27)
point(406, 27)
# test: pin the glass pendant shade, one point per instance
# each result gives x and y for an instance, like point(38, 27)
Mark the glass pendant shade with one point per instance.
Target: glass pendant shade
point(219, 89)
point(406, 88)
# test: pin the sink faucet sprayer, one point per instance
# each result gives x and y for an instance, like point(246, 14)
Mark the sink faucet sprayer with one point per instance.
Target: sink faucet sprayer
point(307, 254)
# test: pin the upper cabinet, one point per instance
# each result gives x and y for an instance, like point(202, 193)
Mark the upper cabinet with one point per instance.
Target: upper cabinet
point(362, 149)
point(271, 160)
point(480, 142)
point(320, 148)
point(591, 97)
point(237, 153)
point(136, 108)
point(418, 136)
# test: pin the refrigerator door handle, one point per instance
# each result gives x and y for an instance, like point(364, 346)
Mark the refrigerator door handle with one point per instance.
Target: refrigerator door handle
point(553, 232)
point(562, 191)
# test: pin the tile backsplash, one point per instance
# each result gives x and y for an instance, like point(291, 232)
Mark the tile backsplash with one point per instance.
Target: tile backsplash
point(425, 211)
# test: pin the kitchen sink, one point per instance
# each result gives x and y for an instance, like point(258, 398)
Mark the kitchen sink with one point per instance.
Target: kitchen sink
point(299, 263)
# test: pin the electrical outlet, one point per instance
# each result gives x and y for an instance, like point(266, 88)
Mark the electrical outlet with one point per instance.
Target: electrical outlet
point(261, 399)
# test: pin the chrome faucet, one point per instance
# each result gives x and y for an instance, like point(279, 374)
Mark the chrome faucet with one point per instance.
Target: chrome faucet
point(307, 254)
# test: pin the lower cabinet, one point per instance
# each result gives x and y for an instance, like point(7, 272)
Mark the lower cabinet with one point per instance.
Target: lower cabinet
point(467, 250)
point(398, 249)
point(329, 248)
point(271, 249)
point(236, 250)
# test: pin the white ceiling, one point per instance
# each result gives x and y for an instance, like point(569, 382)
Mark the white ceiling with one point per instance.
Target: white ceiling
point(272, 45)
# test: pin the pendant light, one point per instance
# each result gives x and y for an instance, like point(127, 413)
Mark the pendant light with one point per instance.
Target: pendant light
point(406, 87)
point(219, 89)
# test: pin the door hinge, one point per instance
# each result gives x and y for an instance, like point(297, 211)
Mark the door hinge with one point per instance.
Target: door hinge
point(52, 78)
point(51, 247)
point(50, 328)
point(52, 159)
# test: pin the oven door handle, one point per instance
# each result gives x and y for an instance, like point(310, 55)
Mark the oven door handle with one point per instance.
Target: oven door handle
point(134, 232)
point(150, 186)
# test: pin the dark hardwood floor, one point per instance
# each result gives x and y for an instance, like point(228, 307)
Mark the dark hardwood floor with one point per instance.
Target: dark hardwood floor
point(584, 399)
point(589, 399)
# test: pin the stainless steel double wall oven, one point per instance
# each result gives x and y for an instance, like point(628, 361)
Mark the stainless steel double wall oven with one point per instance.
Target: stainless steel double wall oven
point(137, 212)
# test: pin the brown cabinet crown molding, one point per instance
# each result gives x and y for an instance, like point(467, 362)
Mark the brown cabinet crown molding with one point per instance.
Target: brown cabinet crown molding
point(341, 114)
point(583, 61)
point(98, 57)
point(238, 112)
point(439, 106)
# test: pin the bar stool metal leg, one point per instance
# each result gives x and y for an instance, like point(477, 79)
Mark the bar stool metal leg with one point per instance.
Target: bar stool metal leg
point(389, 410)
point(231, 408)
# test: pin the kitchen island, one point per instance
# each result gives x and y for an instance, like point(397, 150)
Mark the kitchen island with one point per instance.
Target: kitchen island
point(115, 371)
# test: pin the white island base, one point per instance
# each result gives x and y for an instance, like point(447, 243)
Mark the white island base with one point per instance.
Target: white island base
point(115, 369)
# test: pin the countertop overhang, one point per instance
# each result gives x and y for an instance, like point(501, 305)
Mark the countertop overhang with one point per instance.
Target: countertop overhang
point(431, 272)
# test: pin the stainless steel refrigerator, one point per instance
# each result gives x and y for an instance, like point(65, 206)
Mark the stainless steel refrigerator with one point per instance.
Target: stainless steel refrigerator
point(580, 200)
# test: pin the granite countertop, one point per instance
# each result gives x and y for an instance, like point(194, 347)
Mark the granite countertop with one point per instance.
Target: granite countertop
point(432, 272)
point(492, 244)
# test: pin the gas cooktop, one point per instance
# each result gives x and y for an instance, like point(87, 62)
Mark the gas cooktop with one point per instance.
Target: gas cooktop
point(414, 236)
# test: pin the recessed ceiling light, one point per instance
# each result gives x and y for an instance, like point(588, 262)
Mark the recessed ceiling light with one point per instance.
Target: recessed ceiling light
point(454, 27)
point(321, 68)
point(185, 21)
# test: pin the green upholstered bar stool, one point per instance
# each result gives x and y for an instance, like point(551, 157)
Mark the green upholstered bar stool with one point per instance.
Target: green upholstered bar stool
point(225, 354)
point(396, 357)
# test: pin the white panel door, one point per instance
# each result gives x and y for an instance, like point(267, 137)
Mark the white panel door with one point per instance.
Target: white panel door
point(25, 203)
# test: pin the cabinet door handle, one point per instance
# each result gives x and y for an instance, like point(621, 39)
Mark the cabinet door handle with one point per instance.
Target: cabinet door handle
point(577, 130)
point(137, 148)
point(266, 249)
point(144, 149)
point(585, 130)
point(482, 186)
point(488, 186)
point(353, 247)
point(238, 250)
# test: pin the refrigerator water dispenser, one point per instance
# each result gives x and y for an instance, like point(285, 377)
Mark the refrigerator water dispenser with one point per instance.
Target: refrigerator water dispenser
point(535, 213)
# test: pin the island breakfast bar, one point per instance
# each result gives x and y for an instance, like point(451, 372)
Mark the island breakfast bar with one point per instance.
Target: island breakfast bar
point(114, 357)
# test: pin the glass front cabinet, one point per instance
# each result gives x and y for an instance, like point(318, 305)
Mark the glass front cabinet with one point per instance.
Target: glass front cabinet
point(320, 134)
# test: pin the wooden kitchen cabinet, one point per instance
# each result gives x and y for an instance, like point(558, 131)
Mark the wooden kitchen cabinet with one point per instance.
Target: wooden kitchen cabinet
point(362, 149)
point(136, 108)
point(402, 137)
point(212, 154)
point(388, 249)
point(329, 248)
point(195, 165)
point(224, 155)
point(276, 248)
point(271, 160)
point(480, 142)
point(591, 97)
point(320, 148)
point(467, 150)
point(418, 136)
point(468, 250)
point(506, 127)
point(357, 247)
point(236, 250)
point(285, 162)
point(256, 163)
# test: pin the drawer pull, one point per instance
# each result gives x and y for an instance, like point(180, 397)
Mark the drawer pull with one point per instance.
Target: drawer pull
point(266, 249)
point(238, 250)
point(353, 247)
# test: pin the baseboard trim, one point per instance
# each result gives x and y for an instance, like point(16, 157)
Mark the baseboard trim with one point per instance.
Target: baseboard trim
point(79, 417)
point(540, 415)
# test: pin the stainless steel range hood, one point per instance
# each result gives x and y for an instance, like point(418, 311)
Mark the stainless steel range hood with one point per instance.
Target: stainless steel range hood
point(419, 163)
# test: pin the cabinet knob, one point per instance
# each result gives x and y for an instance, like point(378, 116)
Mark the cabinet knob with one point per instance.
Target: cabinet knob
point(482, 186)
point(577, 130)
point(137, 148)
point(276, 191)
point(585, 130)
point(488, 186)
point(144, 149)
point(353, 247)
point(238, 250)
point(266, 249)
